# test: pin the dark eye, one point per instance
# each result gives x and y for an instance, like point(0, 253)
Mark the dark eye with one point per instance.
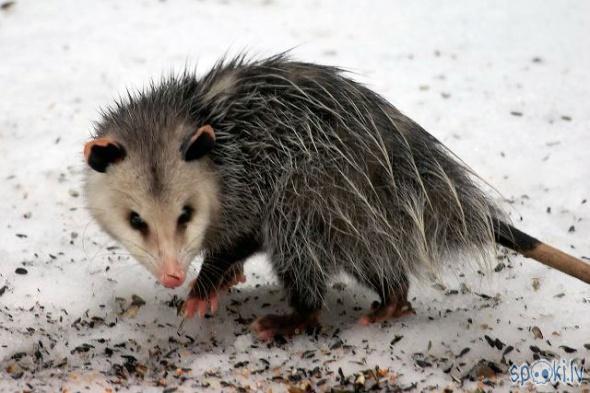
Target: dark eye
point(137, 222)
point(186, 215)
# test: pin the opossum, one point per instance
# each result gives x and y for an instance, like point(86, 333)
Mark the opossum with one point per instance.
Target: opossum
point(301, 162)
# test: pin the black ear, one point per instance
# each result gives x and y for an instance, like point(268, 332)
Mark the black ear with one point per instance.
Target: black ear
point(199, 144)
point(102, 152)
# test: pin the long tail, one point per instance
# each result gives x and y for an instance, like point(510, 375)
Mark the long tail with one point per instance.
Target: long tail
point(512, 238)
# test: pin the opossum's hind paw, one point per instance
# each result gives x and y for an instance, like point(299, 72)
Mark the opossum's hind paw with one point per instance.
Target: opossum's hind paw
point(271, 326)
point(193, 306)
point(380, 312)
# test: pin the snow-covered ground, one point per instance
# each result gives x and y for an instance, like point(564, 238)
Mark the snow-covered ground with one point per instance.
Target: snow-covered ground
point(505, 84)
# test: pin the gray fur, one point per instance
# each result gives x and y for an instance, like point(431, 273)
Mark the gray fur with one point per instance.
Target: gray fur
point(323, 172)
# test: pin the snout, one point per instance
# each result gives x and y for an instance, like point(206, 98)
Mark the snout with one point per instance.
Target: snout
point(172, 274)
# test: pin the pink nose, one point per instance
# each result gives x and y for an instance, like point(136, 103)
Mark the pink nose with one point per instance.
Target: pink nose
point(172, 275)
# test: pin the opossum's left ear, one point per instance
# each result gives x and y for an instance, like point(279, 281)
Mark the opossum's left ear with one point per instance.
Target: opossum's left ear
point(102, 152)
point(199, 144)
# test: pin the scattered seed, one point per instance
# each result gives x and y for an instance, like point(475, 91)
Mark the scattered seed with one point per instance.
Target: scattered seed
point(6, 5)
point(423, 363)
point(567, 349)
point(537, 332)
point(21, 270)
point(494, 343)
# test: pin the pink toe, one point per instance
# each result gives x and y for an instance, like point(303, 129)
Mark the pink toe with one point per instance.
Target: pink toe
point(214, 303)
point(190, 307)
point(202, 308)
point(364, 321)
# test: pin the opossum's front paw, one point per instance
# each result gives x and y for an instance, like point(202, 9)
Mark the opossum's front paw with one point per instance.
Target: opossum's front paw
point(380, 312)
point(197, 305)
point(233, 276)
point(271, 326)
point(198, 302)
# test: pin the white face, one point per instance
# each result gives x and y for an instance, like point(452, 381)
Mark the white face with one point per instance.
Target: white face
point(164, 231)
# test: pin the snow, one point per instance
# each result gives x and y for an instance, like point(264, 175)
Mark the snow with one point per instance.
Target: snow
point(504, 84)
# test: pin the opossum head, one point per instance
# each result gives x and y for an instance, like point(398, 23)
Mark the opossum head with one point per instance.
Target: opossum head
point(156, 192)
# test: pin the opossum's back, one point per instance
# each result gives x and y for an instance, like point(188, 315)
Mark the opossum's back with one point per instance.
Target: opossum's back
point(340, 155)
